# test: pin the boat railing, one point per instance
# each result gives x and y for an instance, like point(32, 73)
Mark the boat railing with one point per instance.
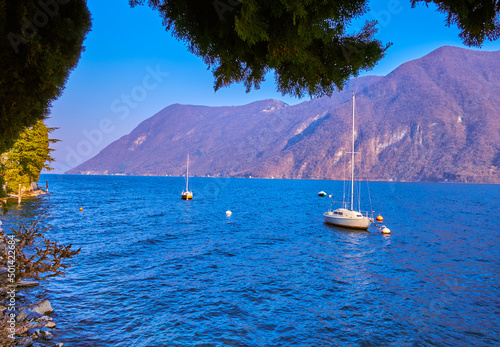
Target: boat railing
point(345, 205)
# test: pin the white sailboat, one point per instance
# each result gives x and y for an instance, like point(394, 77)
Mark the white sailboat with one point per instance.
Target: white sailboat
point(187, 194)
point(347, 216)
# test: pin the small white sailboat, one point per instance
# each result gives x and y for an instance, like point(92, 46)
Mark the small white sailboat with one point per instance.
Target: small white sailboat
point(347, 216)
point(187, 194)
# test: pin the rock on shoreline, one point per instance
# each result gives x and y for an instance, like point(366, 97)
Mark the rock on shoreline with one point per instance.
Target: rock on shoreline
point(32, 325)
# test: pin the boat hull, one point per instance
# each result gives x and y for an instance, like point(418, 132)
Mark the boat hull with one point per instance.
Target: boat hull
point(347, 222)
point(187, 196)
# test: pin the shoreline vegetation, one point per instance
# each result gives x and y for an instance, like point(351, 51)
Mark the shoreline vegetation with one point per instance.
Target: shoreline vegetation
point(26, 258)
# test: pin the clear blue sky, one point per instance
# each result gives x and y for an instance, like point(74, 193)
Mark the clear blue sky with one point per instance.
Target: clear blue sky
point(132, 68)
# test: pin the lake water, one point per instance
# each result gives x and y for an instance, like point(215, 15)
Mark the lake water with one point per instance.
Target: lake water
point(155, 270)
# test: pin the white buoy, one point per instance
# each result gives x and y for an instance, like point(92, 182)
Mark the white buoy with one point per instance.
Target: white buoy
point(386, 230)
point(228, 213)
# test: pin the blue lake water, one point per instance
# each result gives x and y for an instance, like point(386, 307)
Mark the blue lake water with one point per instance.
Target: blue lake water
point(155, 270)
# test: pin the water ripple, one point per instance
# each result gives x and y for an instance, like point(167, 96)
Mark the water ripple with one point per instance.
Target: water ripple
point(159, 271)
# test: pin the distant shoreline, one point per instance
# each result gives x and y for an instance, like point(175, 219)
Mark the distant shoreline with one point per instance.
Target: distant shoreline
point(270, 178)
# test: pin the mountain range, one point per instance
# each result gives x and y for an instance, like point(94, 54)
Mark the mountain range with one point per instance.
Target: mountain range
point(436, 118)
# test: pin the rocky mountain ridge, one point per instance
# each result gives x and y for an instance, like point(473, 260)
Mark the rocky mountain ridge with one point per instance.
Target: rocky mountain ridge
point(436, 118)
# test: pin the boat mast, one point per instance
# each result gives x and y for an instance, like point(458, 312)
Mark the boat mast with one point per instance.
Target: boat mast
point(187, 174)
point(352, 166)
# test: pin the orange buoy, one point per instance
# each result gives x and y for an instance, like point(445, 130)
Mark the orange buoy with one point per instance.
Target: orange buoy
point(380, 218)
point(81, 208)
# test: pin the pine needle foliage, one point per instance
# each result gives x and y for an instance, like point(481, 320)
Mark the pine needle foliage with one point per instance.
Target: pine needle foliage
point(305, 43)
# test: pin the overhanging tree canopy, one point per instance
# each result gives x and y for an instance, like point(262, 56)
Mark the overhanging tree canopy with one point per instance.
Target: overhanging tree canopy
point(40, 43)
point(305, 42)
